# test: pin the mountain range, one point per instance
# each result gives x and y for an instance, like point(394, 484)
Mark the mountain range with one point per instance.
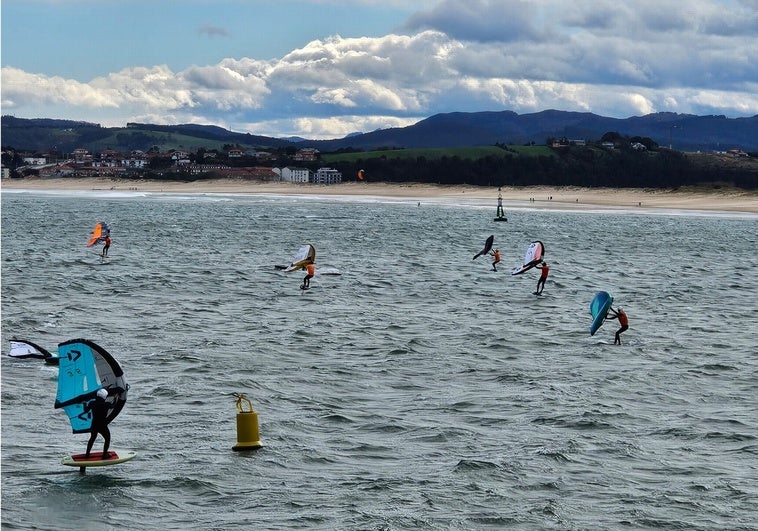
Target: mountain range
point(683, 132)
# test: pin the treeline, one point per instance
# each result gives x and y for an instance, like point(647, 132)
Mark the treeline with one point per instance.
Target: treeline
point(570, 166)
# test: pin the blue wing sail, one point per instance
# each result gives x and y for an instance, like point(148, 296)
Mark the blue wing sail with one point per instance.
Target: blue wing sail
point(85, 367)
point(599, 307)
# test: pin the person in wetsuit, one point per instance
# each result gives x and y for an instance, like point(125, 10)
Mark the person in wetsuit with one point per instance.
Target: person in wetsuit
point(543, 277)
point(620, 314)
point(106, 246)
point(311, 270)
point(99, 408)
point(495, 258)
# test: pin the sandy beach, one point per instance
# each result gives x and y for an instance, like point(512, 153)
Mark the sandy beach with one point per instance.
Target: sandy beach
point(725, 200)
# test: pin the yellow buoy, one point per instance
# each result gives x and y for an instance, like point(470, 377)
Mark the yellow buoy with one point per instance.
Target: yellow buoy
point(247, 425)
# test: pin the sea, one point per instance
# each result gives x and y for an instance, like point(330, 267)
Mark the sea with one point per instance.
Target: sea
point(412, 387)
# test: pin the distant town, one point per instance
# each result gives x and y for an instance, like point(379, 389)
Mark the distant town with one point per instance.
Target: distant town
point(614, 160)
point(485, 149)
point(232, 163)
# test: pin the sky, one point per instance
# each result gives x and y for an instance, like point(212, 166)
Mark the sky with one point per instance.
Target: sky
point(323, 69)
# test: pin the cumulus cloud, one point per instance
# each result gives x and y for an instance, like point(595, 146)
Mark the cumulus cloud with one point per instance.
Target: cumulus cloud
point(327, 127)
point(615, 59)
point(21, 89)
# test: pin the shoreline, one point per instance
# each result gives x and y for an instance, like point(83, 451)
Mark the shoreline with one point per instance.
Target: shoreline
point(537, 197)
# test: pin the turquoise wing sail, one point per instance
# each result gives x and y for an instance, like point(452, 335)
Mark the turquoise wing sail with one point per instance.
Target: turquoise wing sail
point(85, 367)
point(599, 307)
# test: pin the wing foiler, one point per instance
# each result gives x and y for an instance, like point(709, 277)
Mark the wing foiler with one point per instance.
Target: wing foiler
point(84, 368)
point(304, 256)
point(533, 256)
point(99, 233)
point(487, 247)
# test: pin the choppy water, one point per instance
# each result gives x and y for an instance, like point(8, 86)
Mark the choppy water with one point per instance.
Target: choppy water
point(416, 390)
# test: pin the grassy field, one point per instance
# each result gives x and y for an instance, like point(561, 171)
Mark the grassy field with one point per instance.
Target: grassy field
point(471, 153)
point(164, 141)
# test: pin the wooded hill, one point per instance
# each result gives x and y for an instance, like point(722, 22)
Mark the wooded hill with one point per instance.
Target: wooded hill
point(591, 166)
point(683, 132)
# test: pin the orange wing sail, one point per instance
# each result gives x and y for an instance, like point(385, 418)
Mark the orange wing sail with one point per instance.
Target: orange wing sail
point(99, 233)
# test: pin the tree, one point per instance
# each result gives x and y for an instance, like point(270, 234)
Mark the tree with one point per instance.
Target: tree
point(159, 163)
point(612, 136)
point(648, 142)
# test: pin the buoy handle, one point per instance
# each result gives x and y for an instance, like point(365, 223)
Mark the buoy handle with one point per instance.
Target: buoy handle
point(241, 401)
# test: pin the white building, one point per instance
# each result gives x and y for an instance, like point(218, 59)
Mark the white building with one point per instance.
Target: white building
point(180, 157)
point(327, 176)
point(35, 161)
point(81, 155)
point(294, 175)
point(134, 162)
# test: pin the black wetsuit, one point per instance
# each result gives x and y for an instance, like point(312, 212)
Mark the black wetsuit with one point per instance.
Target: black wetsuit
point(617, 339)
point(99, 408)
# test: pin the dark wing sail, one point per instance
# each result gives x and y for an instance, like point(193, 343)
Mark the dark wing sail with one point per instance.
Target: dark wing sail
point(487, 247)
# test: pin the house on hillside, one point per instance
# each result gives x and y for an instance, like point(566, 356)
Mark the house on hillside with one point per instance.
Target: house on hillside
point(109, 155)
point(262, 155)
point(306, 154)
point(82, 155)
point(59, 170)
point(180, 157)
point(263, 173)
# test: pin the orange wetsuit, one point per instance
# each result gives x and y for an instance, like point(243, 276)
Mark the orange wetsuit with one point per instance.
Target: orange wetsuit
point(624, 322)
point(311, 270)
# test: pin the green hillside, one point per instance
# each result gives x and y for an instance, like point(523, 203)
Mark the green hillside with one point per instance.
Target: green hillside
point(465, 153)
point(130, 139)
point(44, 134)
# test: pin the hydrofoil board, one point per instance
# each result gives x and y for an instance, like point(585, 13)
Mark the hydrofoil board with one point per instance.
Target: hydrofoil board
point(96, 458)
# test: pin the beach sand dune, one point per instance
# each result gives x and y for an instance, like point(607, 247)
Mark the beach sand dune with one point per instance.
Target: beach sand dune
point(727, 200)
